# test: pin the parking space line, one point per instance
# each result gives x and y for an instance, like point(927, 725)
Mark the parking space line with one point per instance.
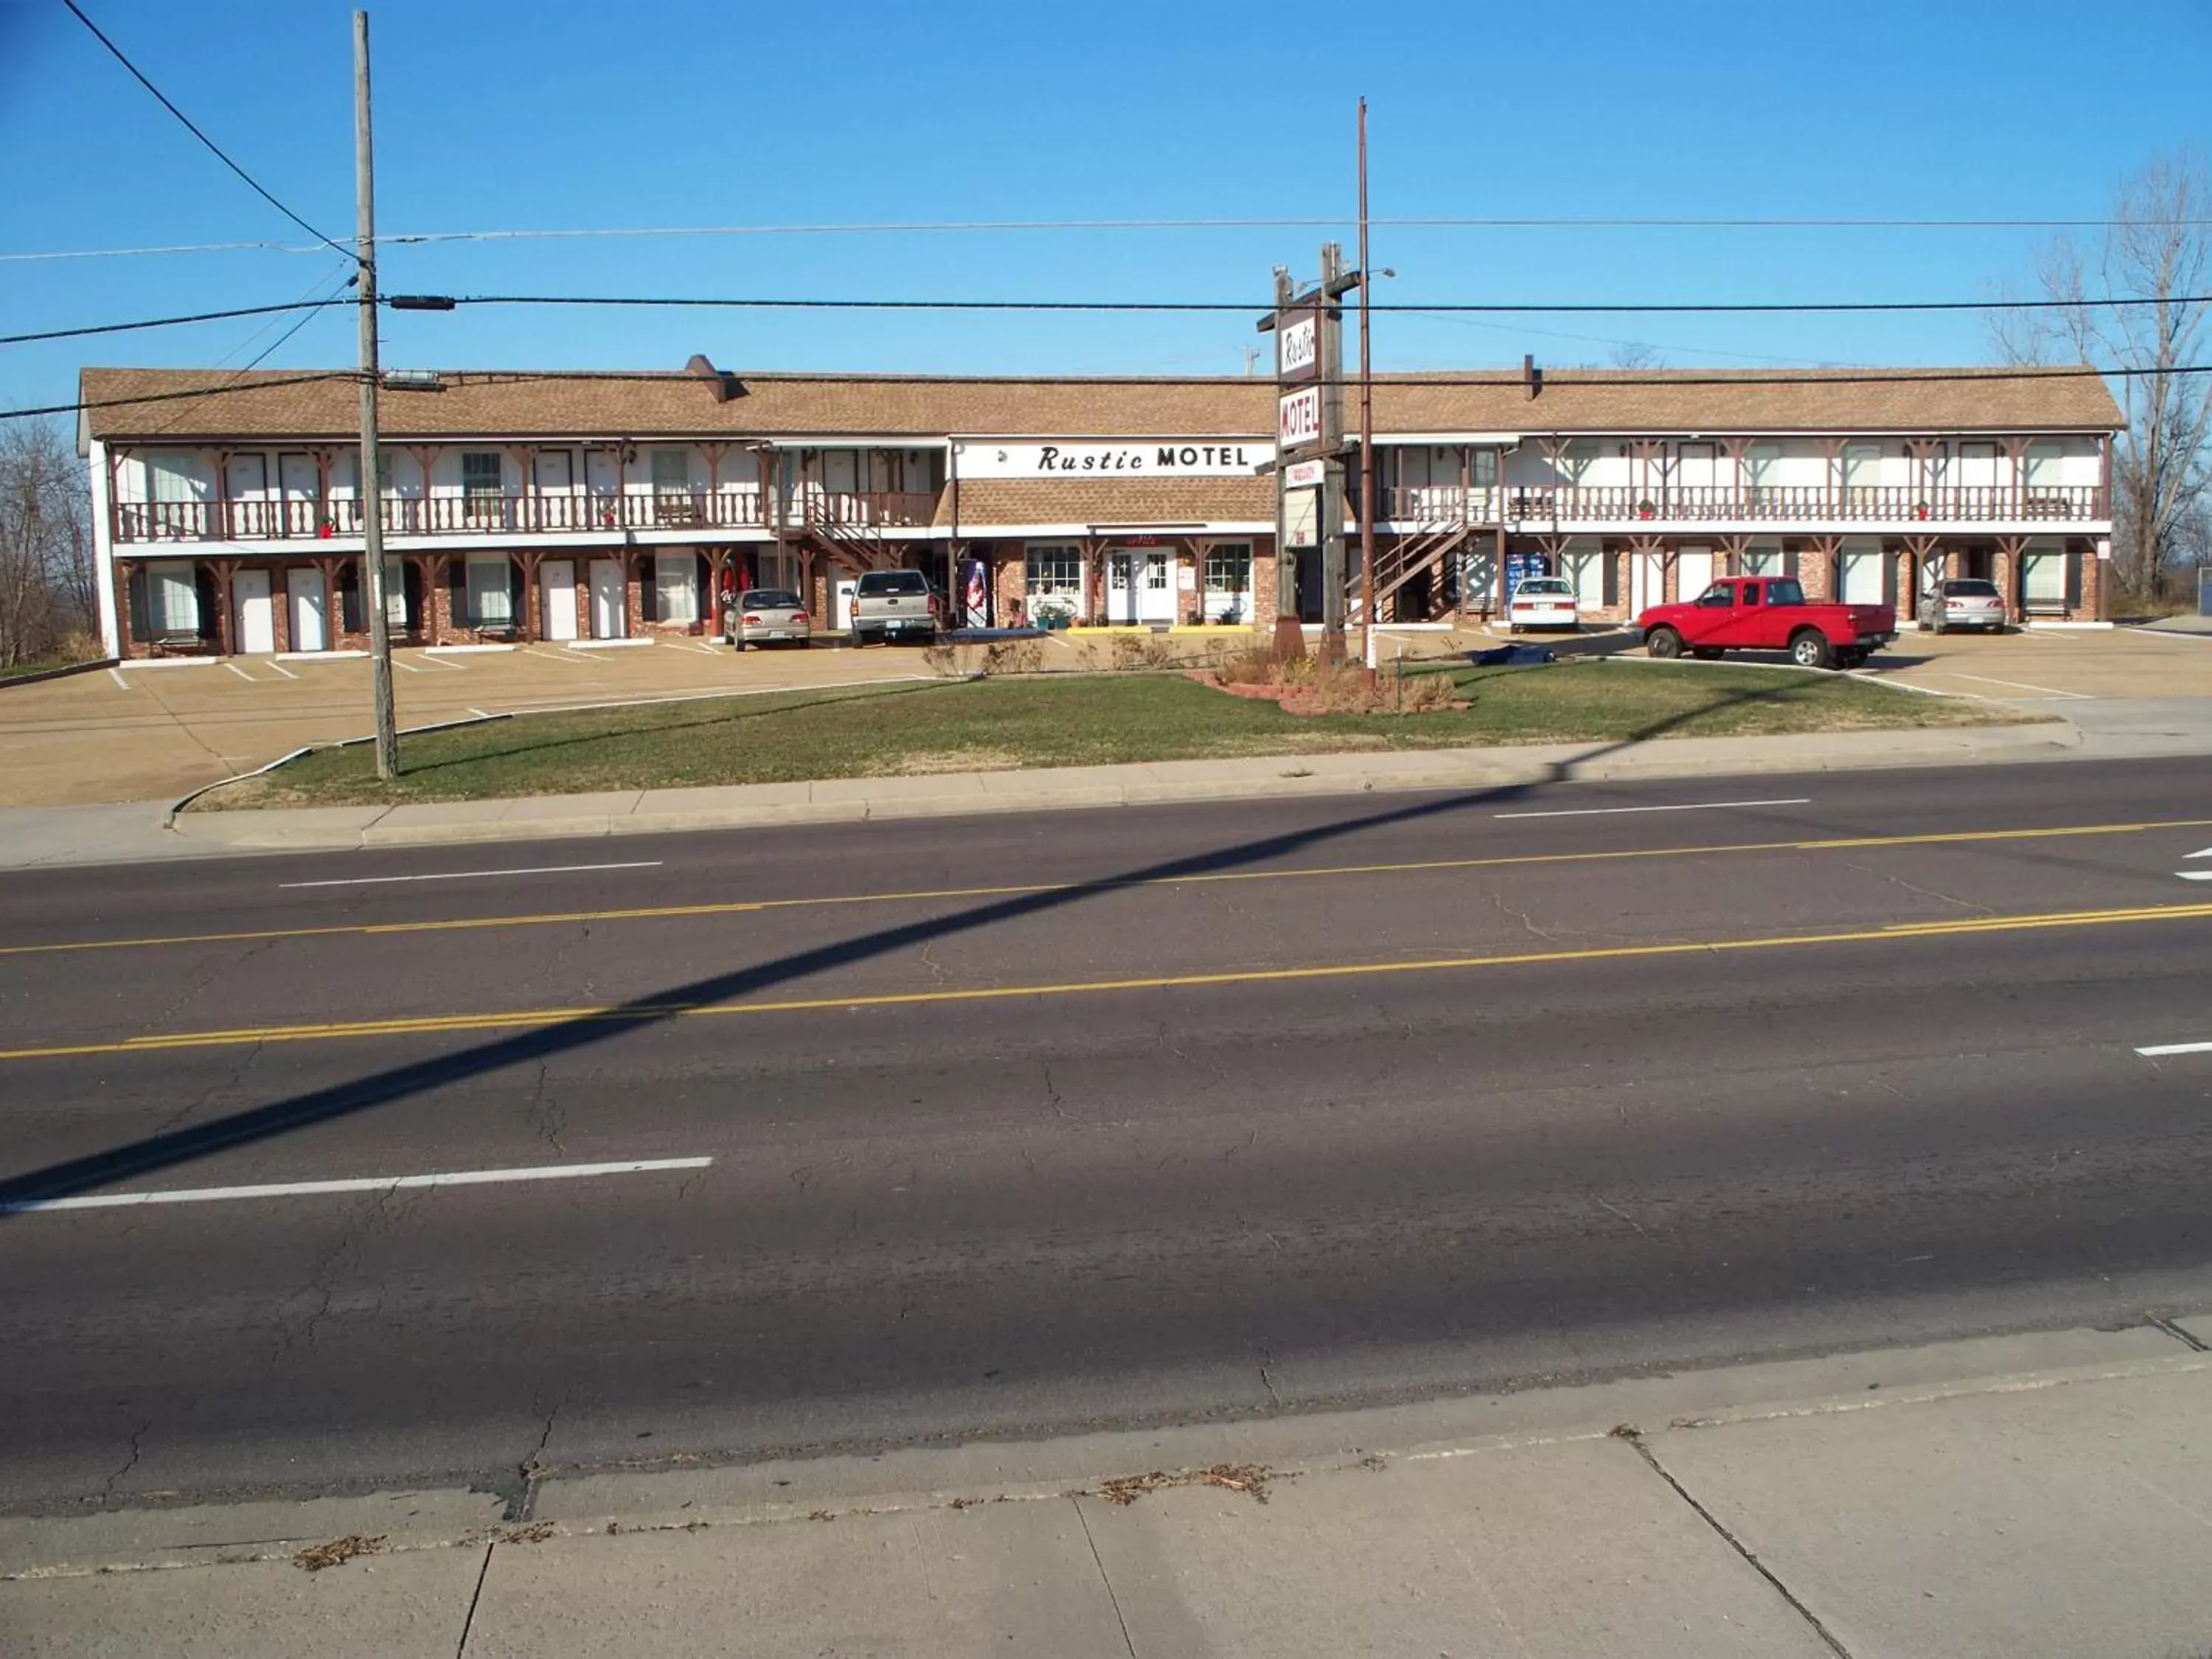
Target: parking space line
point(554, 656)
point(2016, 685)
point(241, 672)
point(116, 674)
point(281, 669)
point(405, 667)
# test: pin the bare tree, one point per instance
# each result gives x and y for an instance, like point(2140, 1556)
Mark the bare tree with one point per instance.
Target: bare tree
point(49, 600)
point(2158, 248)
point(1632, 355)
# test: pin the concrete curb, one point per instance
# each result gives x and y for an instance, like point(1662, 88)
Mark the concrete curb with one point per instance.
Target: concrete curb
point(61, 674)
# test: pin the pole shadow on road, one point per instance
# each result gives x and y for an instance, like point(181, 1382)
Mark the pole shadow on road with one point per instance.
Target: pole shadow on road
point(166, 1150)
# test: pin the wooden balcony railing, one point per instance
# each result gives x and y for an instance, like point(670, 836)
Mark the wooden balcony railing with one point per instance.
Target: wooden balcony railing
point(480, 514)
point(866, 509)
point(1440, 505)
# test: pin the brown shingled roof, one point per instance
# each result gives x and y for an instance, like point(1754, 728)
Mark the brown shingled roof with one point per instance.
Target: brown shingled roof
point(1121, 500)
point(481, 404)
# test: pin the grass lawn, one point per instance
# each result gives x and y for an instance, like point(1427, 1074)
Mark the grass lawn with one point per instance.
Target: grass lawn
point(22, 668)
point(998, 724)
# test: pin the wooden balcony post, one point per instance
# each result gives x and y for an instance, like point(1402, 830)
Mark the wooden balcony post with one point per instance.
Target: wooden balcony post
point(224, 570)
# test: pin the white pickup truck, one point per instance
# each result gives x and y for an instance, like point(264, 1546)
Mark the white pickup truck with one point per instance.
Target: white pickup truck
point(892, 605)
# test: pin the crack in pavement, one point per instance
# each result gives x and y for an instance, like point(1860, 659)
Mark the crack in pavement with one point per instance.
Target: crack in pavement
point(138, 1440)
point(1967, 905)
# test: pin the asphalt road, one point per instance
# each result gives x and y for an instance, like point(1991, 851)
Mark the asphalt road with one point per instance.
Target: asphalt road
point(1020, 1125)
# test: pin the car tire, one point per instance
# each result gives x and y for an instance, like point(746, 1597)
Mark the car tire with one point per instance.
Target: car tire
point(1809, 648)
point(1706, 653)
point(1663, 643)
point(1849, 660)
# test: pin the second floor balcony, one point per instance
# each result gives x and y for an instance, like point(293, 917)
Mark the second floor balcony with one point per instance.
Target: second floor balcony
point(1623, 505)
point(485, 512)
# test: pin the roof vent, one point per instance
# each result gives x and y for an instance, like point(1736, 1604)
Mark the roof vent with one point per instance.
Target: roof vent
point(1531, 376)
point(724, 386)
point(414, 380)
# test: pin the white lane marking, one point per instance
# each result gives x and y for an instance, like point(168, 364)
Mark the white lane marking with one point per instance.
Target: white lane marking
point(2197, 875)
point(405, 667)
point(368, 1184)
point(556, 656)
point(480, 713)
point(2017, 685)
point(2158, 1049)
point(474, 875)
point(281, 669)
point(241, 672)
point(116, 674)
point(1690, 806)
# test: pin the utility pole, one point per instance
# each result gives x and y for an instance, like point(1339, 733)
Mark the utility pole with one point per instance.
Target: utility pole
point(1366, 419)
point(371, 488)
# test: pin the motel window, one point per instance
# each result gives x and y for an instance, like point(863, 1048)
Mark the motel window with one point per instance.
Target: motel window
point(481, 482)
point(2046, 467)
point(672, 472)
point(1861, 466)
point(491, 592)
point(173, 599)
point(676, 586)
point(1762, 466)
point(1229, 568)
point(170, 479)
point(1055, 569)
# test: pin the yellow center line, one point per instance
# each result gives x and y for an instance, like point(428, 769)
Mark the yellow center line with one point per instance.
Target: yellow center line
point(1025, 890)
point(645, 1014)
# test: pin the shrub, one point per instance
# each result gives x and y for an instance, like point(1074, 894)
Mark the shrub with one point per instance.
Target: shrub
point(1133, 652)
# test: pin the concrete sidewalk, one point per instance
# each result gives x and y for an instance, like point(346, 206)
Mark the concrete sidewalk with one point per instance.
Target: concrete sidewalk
point(2018, 1497)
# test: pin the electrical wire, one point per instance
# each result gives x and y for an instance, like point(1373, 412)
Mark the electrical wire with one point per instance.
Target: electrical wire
point(214, 148)
point(1758, 307)
point(1005, 226)
point(345, 279)
point(233, 387)
point(171, 322)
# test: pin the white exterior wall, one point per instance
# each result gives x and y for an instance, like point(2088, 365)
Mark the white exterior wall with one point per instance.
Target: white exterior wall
point(103, 552)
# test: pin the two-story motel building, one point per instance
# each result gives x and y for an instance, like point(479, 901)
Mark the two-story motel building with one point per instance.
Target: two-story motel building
point(574, 507)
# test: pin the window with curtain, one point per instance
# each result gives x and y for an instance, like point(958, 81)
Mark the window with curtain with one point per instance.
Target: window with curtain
point(676, 587)
point(1861, 466)
point(491, 592)
point(1229, 568)
point(672, 472)
point(173, 599)
point(482, 485)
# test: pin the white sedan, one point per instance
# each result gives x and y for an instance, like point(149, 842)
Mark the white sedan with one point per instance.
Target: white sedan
point(1542, 602)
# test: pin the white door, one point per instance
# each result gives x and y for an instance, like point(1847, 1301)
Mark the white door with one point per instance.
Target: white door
point(245, 487)
point(1647, 581)
point(300, 483)
point(1121, 601)
point(1862, 576)
point(602, 483)
point(305, 588)
point(1693, 573)
point(255, 633)
point(609, 617)
point(557, 584)
point(840, 600)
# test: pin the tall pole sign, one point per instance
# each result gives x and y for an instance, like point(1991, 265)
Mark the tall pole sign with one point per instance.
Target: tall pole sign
point(1310, 449)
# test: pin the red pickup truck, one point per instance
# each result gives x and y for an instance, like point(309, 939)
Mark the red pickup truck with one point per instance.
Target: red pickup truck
point(1768, 613)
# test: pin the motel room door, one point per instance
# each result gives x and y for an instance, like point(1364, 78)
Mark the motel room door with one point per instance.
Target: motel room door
point(256, 614)
point(1139, 587)
point(556, 586)
point(609, 614)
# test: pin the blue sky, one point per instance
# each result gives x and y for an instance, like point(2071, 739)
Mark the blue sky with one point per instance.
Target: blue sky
point(563, 115)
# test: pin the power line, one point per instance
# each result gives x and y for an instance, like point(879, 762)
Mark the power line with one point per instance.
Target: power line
point(168, 322)
point(1763, 308)
point(409, 302)
point(346, 279)
point(232, 386)
point(1012, 225)
point(214, 148)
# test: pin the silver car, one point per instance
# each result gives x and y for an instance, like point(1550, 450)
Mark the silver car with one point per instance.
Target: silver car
point(768, 615)
point(1963, 602)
